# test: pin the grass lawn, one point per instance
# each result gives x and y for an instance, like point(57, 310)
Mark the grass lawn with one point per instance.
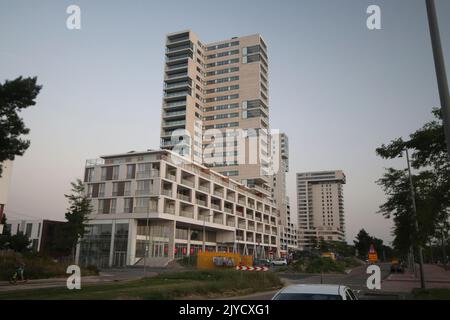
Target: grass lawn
point(432, 294)
point(179, 285)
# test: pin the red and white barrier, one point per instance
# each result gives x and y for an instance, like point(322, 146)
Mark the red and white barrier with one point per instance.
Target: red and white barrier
point(248, 268)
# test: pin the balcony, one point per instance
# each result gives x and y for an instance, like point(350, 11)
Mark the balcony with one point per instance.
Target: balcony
point(205, 188)
point(218, 220)
point(179, 48)
point(187, 214)
point(147, 174)
point(177, 66)
point(215, 206)
point(179, 57)
point(201, 202)
point(179, 123)
point(169, 210)
point(179, 75)
point(228, 210)
point(176, 94)
point(183, 197)
point(166, 192)
point(187, 182)
point(230, 223)
point(170, 176)
point(174, 114)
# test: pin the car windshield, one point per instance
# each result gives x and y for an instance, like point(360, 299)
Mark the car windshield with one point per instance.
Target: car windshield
point(306, 296)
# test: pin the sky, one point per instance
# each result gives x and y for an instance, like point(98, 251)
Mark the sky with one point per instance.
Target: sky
point(337, 89)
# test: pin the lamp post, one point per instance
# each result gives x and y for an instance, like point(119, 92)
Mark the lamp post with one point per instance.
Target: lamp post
point(440, 68)
point(416, 223)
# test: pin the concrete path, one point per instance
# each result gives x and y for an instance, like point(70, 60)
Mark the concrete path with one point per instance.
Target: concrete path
point(435, 277)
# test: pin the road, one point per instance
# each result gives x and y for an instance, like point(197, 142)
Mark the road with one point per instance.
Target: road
point(356, 280)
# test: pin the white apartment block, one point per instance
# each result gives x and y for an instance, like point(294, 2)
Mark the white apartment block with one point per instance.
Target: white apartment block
point(5, 181)
point(280, 153)
point(170, 207)
point(216, 105)
point(320, 207)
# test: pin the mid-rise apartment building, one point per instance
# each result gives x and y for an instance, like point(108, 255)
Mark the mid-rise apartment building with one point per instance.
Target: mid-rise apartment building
point(159, 203)
point(320, 205)
point(216, 105)
point(5, 181)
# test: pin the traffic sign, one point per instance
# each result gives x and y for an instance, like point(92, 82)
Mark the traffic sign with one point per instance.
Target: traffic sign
point(249, 268)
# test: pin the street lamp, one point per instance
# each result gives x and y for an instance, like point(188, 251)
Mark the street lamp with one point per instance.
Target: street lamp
point(440, 68)
point(416, 223)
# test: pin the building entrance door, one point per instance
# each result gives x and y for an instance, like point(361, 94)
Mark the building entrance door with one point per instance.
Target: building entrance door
point(120, 259)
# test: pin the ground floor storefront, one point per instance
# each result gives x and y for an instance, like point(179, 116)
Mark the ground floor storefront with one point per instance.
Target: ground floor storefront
point(125, 242)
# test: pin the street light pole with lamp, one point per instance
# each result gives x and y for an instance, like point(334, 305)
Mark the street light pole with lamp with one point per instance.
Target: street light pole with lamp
point(416, 223)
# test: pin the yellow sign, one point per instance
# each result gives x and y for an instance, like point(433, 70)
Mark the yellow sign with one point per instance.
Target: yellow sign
point(373, 257)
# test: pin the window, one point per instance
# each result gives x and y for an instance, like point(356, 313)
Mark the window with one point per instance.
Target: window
point(101, 189)
point(131, 171)
point(128, 205)
point(29, 227)
point(89, 175)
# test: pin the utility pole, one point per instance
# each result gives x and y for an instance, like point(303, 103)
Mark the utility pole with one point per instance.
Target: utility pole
point(444, 254)
point(440, 68)
point(416, 223)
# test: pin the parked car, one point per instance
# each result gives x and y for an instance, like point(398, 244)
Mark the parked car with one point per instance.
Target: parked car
point(315, 292)
point(279, 262)
point(261, 263)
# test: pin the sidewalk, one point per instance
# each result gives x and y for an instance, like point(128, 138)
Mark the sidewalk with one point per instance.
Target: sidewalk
point(109, 275)
point(435, 277)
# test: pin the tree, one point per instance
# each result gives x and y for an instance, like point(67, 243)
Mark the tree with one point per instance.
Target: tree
point(363, 242)
point(15, 96)
point(431, 182)
point(19, 242)
point(77, 216)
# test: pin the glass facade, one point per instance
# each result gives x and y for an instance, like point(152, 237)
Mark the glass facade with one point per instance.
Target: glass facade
point(95, 245)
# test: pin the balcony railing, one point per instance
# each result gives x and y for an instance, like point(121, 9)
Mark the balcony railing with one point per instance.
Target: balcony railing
point(228, 210)
point(187, 182)
point(218, 220)
point(230, 223)
point(177, 66)
point(175, 113)
point(166, 192)
point(174, 123)
point(177, 75)
point(176, 94)
point(201, 202)
point(170, 176)
point(183, 197)
point(204, 188)
point(188, 46)
point(186, 214)
point(169, 210)
point(215, 206)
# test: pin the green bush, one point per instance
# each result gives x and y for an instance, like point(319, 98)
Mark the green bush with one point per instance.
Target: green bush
point(321, 265)
point(35, 266)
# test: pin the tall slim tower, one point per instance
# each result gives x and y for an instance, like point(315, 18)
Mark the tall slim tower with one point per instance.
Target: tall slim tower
point(320, 205)
point(216, 105)
point(288, 231)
